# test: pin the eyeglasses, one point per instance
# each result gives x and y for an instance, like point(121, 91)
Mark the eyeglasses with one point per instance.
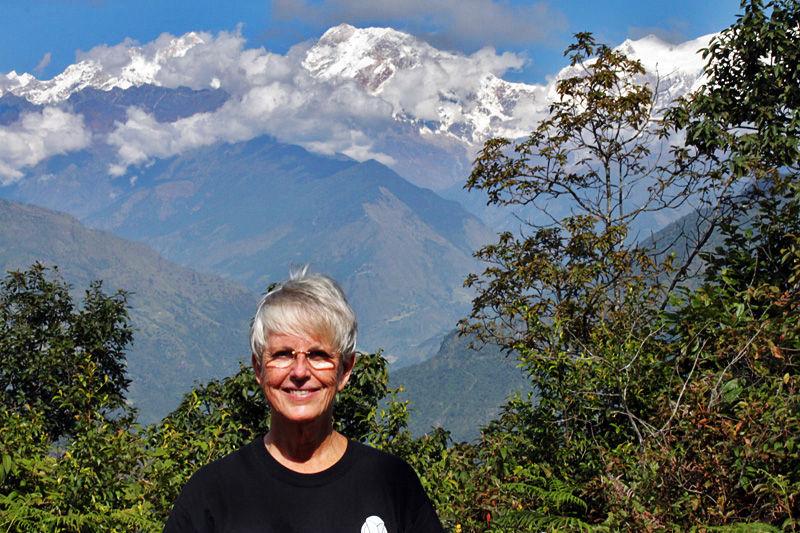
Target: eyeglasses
point(316, 359)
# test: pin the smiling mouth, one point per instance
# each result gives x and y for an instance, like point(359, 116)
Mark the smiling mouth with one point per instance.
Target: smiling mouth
point(295, 392)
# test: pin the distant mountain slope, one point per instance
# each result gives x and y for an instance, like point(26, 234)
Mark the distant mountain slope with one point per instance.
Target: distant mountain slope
point(459, 389)
point(190, 326)
point(248, 211)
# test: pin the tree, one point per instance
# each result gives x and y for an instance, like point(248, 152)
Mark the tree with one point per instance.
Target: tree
point(749, 109)
point(659, 409)
point(627, 391)
point(576, 299)
point(70, 449)
point(48, 344)
point(731, 421)
point(733, 453)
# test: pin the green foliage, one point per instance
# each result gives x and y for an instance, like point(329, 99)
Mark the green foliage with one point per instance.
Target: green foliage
point(575, 300)
point(749, 107)
point(70, 449)
point(357, 405)
point(736, 421)
point(212, 420)
point(647, 420)
point(49, 348)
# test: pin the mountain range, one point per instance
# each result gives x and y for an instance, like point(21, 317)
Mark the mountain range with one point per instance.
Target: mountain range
point(238, 163)
point(369, 93)
point(249, 211)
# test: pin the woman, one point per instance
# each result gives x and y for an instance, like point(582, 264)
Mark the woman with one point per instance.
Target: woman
point(302, 476)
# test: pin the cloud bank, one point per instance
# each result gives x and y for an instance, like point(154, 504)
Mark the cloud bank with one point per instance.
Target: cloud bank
point(269, 94)
point(37, 136)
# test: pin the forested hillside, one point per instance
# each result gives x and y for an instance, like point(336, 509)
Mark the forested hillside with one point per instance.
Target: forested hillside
point(658, 406)
point(459, 389)
point(189, 326)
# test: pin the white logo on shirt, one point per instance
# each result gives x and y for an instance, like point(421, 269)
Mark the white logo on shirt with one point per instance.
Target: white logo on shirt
point(373, 524)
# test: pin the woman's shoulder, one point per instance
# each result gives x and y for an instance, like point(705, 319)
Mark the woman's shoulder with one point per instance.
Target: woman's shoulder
point(242, 461)
point(373, 458)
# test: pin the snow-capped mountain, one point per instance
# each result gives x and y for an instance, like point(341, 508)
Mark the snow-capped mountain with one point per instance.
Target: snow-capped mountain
point(370, 56)
point(673, 70)
point(452, 95)
point(136, 69)
point(463, 102)
point(369, 93)
point(377, 58)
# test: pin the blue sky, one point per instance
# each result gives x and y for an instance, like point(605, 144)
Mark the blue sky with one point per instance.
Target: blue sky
point(42, 37)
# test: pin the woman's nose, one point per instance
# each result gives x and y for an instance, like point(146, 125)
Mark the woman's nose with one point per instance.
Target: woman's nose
point(300, 365)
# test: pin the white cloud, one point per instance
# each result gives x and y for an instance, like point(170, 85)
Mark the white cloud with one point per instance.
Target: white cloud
point(418, 91)
point(43, 63)
point(270, 94)
point(36, 136)
point(222, 62)
point(112, 58)
point(294, 108)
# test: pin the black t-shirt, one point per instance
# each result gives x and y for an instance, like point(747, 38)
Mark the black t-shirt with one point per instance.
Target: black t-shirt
point(249, 490)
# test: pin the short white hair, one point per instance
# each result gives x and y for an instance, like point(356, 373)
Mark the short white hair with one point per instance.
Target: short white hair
point(305, 304)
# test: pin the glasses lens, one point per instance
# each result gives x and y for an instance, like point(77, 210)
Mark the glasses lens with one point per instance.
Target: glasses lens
point(320, 359)
point(281, 359)
point(316, 359)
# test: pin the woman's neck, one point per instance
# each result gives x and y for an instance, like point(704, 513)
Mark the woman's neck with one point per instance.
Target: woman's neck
point(305, 448)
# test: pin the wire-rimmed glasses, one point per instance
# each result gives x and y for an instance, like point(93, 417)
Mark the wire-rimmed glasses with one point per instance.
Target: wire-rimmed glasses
point(316, 359)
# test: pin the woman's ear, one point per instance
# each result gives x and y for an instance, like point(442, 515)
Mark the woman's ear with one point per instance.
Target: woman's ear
point(256, 361)
point(345, 370)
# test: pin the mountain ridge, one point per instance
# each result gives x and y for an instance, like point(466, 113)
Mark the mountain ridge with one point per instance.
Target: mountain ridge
point(189, 326)
point(249, 211)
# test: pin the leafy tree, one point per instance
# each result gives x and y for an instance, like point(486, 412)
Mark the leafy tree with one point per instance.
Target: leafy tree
point(735, 423)
point(576, 299)
point(47, 345)
point(730, 429)
point(648, 420)
point(749, 109)
point(70, 450)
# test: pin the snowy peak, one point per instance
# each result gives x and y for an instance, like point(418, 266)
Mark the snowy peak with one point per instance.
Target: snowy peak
point(371, 56)
point(436, 91)
point(659, 56)
point(676, 69)
point(464, 97)
point(369, 93)
point(139, 66)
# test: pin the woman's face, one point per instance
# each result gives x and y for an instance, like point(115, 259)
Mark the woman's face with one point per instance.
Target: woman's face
point(300, 393)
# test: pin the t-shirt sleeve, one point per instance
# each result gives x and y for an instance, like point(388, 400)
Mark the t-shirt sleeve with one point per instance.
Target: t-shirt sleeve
point(425, 519)
point(422, 517)
point(190, 514)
